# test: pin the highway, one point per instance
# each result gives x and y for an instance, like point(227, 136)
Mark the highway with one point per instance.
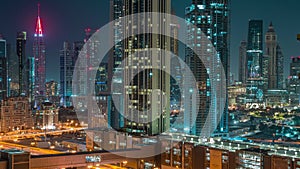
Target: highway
point(34, 135)
point(32, 150)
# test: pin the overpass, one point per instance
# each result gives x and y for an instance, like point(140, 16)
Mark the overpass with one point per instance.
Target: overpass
point(38, 134)
point(82, 160)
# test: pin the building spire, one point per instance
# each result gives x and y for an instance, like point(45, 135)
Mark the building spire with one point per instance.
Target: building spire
point(38, 29)
point(271, 28)
point(39, 9)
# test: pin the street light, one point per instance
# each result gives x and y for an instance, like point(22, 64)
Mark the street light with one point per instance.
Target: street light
point(123, 164)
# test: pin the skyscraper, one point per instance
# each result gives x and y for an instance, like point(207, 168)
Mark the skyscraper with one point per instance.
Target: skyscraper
point(255, 81)
point(242, 62)
point(176, 68)
point(3, 69)
point(31, 78)
point(255, 48)
point(294, 81)
point(66, 72)
point(13, 71)
point(142, 87)
point(275, 66)
point(39, 53)
point(68, 57)
point(211, 17)
point(139, 92)
point(115, 119)
point(21, 52)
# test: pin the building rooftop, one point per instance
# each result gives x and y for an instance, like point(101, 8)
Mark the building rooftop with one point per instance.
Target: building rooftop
point(232, 145)
point(13, 151)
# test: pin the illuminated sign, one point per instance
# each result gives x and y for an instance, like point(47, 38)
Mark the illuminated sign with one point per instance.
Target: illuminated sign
point(93, 159)
point(255, 105)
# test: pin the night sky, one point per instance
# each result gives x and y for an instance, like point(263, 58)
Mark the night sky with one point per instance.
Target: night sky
point(65, 20)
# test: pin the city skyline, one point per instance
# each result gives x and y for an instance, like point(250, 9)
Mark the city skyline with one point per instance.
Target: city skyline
point(97, 14)
point(125, 84)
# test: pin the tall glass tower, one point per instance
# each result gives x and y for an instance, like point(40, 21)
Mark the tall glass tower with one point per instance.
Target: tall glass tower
point(3, 69)
point(21, 46)
point(211, 17)
point(66, 73)
point(242, 59)
point(255, 80)
point(139, 93)
point(39, 53)
point(255, 48)
point(115, 118)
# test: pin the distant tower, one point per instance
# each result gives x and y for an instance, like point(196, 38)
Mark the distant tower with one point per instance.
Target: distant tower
point(3, 69)
point(294, 81)
point(243, 62)
point(21, 46)
point(255, 80)
point(39, 57)
point(31, 77)
point(66, 68)
point(276, 59)
point(255, 49)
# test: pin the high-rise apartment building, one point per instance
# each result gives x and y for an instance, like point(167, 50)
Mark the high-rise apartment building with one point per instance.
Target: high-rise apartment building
point(140, 93)
point(137, 99)
point(211, 19)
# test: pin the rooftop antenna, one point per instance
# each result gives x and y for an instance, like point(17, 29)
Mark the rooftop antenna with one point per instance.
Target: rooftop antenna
point(39, 9)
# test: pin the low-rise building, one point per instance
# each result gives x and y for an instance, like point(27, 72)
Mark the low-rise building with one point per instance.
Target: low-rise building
point(15, 114)
point(47, 116)
point(235, 92)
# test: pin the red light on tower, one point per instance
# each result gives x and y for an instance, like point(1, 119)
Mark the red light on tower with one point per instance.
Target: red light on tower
point(38, 29)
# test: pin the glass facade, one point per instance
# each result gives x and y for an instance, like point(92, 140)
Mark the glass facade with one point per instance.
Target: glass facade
point(211, 18)
point(255, 80)
point(3, 70)
point(137, 95)
point(23, 76)
point(68, 56)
